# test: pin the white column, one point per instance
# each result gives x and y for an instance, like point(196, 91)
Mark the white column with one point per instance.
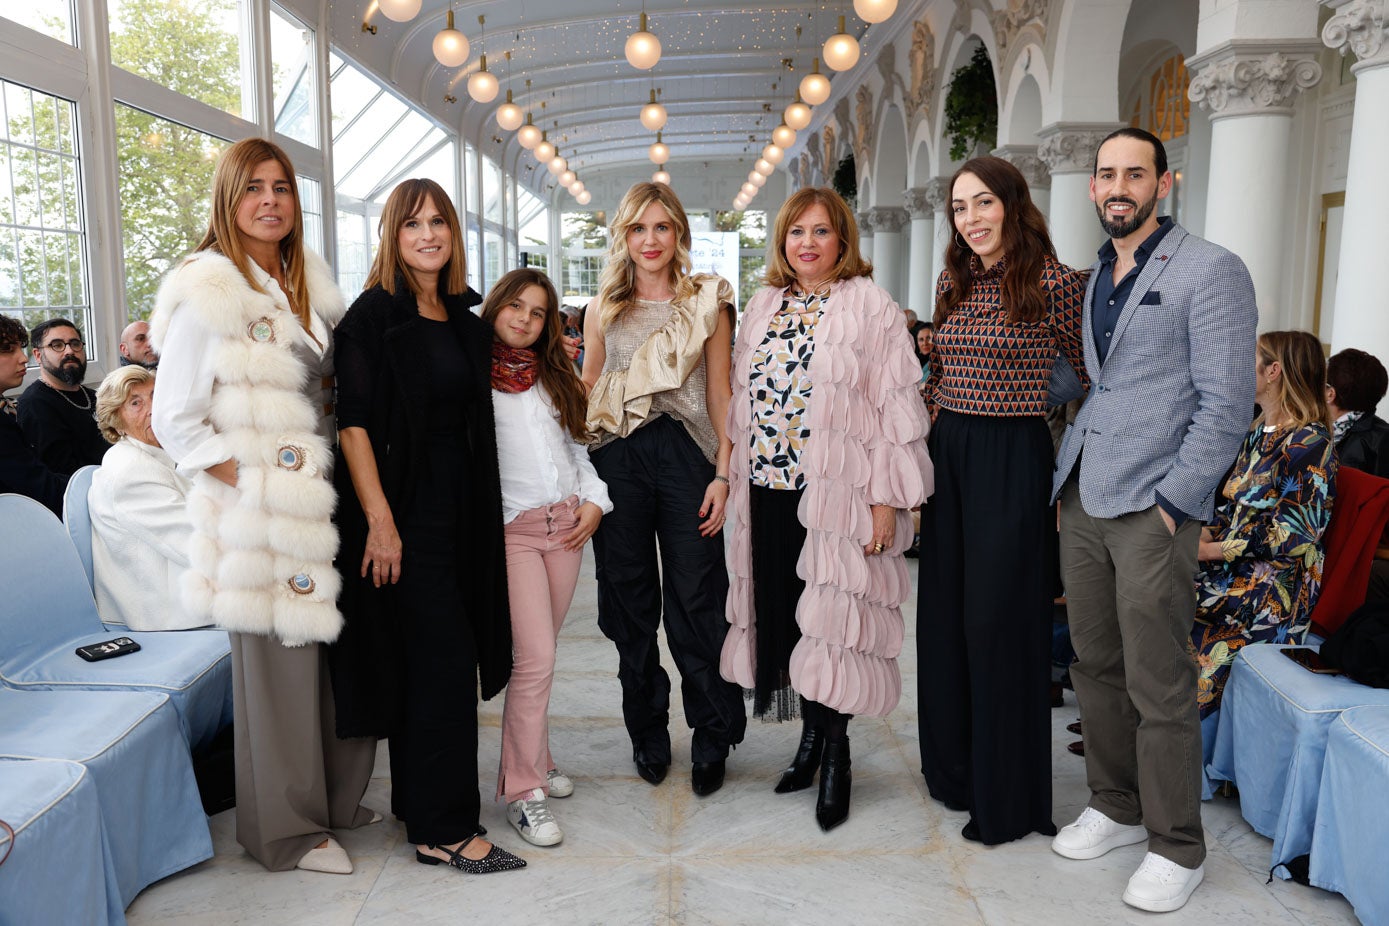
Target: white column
point(1033, 169)
point(1360, 319)
point(937, 197)
point(1068, 150)
point(919, 280)
point(865, 234)
point(888, 222)
point(1249, 86)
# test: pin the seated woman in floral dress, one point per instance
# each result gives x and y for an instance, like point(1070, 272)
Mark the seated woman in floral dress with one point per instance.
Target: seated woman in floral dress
point(1261, 557)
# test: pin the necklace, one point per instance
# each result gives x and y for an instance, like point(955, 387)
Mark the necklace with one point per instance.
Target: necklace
point(819, 292)
point(86, 407)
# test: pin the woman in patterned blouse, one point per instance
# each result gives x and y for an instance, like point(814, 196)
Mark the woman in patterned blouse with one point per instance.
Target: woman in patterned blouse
point(827, 426)
point(1005, 309)
point(1261, 557)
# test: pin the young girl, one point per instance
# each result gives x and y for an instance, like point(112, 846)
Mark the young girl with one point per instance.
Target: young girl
point(552, 501)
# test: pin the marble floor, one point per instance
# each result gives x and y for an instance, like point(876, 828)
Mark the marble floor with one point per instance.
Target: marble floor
point(642, 855)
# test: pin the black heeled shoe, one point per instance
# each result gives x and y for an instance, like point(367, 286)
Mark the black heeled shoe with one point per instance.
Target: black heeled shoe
point(496, 859)
point(707, 777)
point(801, 772)
point(836, 778)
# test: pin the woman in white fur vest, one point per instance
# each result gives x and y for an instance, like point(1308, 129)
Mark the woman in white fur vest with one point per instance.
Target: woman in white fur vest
point(243, 326)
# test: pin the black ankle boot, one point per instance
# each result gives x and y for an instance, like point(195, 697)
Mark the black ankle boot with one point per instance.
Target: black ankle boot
point(801, 772)
point(832, 808)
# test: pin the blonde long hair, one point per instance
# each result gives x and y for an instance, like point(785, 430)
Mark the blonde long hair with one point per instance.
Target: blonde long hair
point(618, 284)
point(235, 170)
point(405, 201)
point(1302, 387)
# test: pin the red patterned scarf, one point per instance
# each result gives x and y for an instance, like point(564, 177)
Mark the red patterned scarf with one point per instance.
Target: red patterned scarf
point(513, 368)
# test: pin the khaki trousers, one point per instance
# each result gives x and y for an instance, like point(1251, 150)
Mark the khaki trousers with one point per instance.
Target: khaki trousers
point(1132, 599)
point(295, 780)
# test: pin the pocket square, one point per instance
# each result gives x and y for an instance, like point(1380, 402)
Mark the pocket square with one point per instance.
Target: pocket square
point(1152, 297)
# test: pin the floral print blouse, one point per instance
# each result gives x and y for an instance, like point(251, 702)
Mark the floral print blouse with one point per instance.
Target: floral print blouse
point(1275, 508)
point(780, 393)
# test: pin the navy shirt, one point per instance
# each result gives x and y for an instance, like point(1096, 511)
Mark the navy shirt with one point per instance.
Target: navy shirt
point(1110, 297)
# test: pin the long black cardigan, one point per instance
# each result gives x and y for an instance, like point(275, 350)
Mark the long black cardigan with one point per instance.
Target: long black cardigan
point(367, 661)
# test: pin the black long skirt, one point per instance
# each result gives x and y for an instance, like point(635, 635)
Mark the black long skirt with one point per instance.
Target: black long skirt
point(983, 634)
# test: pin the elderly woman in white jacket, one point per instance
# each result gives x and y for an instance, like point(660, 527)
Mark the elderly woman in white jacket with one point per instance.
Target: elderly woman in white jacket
point(139, 511)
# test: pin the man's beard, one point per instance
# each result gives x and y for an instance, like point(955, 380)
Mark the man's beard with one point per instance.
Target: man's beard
point(70, 370)
point(1125, 227)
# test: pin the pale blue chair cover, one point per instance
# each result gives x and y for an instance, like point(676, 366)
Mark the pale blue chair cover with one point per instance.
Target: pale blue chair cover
point(1350, 843)
point(47, 611)
point(77, 517)
point(60, 868)
point(1271, 742)
point(130, 741)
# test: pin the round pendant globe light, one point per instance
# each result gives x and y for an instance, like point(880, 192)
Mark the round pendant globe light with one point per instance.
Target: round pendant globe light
point(401, 11)
point(841, 50)
point(740, 203)
point(773, 154)
point(764, 167)
point(576, 187)
point(509, 115)
point(450, 46)
point(528, 135)
point(567, 178)
point(483, 85)
point(815, 87)
point(557, 165)
point(544, 151)
point(783, 136)
point(874, 11)
point(584, 198)
point(643, 49)
point(661, 176)
point(659, 152)
point(749, 190)
point(797, 115)
point(653, 115)
point(756, 179)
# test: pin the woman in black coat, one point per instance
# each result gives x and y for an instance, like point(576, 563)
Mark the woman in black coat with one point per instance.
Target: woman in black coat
point(423, 562)
point(1355, 385)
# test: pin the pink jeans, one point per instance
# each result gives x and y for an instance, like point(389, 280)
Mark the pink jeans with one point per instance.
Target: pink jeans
point(541, 576)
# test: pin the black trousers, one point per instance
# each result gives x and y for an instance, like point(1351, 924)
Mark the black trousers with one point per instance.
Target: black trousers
point(656, 478)
point(983, 627)
point(433, 744)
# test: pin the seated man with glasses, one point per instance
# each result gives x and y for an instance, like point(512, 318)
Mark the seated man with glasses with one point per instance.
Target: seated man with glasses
point(57, 412)
point(20, 469)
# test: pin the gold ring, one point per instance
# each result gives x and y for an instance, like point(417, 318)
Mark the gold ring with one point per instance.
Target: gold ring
point(877, 548)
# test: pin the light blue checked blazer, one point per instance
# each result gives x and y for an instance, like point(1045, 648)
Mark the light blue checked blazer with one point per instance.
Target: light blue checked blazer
point(1174, 398)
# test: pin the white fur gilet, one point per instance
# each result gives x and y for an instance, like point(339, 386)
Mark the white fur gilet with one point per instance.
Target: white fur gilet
point(261, 559)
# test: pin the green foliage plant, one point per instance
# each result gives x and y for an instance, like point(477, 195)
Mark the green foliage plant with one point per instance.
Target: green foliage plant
point(971, 106)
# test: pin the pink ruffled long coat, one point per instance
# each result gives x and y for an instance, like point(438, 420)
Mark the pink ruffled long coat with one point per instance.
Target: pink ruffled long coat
point(866, 447)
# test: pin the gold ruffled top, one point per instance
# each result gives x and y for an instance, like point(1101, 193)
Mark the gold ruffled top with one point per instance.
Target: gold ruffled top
point(654, 365)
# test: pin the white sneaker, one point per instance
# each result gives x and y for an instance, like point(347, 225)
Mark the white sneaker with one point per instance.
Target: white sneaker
point(1093, 834)
point(1160, 885)
point(560, 784)
point(533, 820)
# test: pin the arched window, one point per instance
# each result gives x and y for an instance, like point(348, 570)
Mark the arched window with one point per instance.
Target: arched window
point(1164, 108)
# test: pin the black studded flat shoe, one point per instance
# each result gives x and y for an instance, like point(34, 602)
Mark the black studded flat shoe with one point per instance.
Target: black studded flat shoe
point(496, 859)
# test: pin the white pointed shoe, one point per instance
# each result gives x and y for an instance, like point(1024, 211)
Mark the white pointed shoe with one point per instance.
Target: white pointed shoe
point(331, 859)
point(1160, 885)
point(559, 784)
point(1093, 834)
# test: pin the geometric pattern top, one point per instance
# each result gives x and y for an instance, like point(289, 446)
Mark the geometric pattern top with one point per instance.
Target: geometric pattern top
point(982, 364)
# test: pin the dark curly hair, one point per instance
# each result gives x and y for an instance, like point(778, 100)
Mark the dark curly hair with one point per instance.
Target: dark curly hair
point(12, 334)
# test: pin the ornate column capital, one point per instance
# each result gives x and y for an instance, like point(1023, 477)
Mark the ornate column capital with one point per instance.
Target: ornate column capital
point(1024, 158)
point(865, 222)
point(937, 192)
point(889, 219)
point(1069, 147)
point(918, 203)
point(1248, 76)
point(1359, 26)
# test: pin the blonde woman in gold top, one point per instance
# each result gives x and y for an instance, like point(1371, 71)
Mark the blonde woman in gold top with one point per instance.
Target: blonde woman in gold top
point(658, 344)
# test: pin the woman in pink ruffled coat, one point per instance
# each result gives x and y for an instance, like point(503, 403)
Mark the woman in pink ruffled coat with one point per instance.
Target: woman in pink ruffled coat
point(829, 458)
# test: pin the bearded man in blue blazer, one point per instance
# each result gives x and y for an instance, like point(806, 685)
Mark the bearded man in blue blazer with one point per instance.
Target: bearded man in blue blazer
point(1169, 331)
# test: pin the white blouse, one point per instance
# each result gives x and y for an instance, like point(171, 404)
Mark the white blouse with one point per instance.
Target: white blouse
point(541, 463)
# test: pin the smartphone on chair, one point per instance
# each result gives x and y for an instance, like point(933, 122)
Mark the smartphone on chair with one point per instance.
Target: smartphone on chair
point(1310, 660)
